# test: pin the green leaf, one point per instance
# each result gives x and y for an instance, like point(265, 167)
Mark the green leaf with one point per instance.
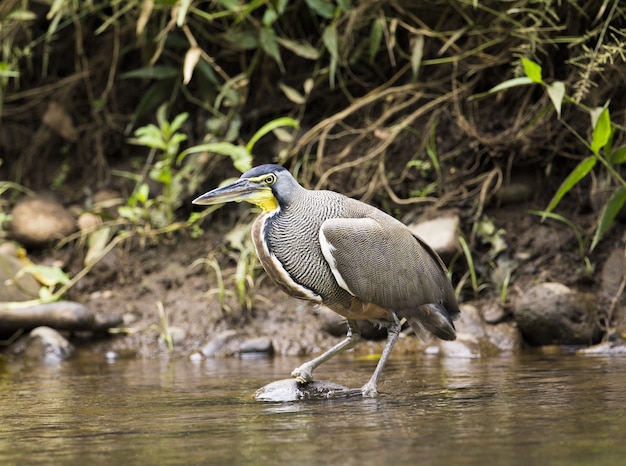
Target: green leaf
point(162, 174)
point(270, 46)
point(96, 242)
point(280, 5)
point(268, 127)
point(609, 212)
point(149, 136)
point(329, 37)
point(345, 5)
point(161, 117)
point(302, 49)
point(45, 274)
point(21, 15)
point(142, 194)
point(240, 40)
point(6, 71)
point(601, 131)
point(178, 122)
point(151, 72)
point(515, 82)
point(242, 159)
point(618, 156)
point(129, 213)
point(183, 8)
point(292, 94)
point(376, 36)
point(269, 17)
point(232, 5)
point(556, 92)
point(324, 8)
point(582, 170)
point(532, 70)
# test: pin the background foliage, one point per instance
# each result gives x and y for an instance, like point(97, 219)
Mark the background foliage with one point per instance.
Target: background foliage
point(395, 102)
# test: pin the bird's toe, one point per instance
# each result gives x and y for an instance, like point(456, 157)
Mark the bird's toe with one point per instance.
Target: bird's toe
point(302, 374)
point(369, 391)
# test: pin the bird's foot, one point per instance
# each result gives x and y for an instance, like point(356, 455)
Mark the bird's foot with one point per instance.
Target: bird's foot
point(369, 390)
point(303, 374)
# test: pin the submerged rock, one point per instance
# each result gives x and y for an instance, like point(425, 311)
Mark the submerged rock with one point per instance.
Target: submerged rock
point(47, 345)
point(290, 390)
point(553, 314)
point(615, 344)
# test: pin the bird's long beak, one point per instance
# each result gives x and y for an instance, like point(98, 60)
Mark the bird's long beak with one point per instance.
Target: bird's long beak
point(239, 190)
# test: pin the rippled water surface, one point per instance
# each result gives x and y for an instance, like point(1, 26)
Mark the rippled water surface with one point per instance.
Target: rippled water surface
point(531, 409)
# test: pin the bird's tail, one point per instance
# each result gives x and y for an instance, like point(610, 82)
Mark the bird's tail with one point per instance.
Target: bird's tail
point(433, 318)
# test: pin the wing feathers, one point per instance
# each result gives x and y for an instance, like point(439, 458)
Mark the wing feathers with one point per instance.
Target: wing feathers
point(383, 263)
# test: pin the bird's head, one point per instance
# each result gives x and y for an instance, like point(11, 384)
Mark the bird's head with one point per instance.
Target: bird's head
point(267, 186)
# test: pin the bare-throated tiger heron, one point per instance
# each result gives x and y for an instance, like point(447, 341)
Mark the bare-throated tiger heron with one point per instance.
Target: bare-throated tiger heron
point(360, 262)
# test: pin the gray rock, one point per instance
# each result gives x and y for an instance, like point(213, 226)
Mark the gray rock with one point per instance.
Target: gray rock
point(39, 222)
point(613, 272)
point(440, 234)
point(494, 314)
point(256, 346)
point(221, 345)
point(289, 390)
point(505, 337)
point(47, 345)
point(470, 321)
point(477, 339)
point(553, 314)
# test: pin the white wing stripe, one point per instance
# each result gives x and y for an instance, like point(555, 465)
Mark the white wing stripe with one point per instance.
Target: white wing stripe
point(327, 250)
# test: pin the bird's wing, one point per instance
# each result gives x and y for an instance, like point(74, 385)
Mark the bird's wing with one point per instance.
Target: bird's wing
point(383, 263)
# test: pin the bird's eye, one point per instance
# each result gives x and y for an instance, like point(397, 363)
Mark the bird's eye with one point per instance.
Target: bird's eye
point(270, 179)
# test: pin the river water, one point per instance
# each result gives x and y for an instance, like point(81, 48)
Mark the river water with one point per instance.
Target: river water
point(536, 409)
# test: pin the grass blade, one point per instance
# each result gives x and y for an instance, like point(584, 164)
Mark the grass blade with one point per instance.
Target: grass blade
point(582, 170)
point(609, 212)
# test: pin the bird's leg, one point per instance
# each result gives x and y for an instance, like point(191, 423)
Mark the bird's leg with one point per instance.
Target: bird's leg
point(369, 390)
point(304, 373)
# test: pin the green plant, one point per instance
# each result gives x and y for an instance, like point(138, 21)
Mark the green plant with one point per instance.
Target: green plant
point(471, 269)
point(165, 139)
point(600, 146)
point(240, 250)
point(165, 328)
point(241, 155)
point(9, 53)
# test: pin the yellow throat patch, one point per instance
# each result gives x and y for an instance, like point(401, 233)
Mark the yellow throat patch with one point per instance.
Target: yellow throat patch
point(265, 199)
